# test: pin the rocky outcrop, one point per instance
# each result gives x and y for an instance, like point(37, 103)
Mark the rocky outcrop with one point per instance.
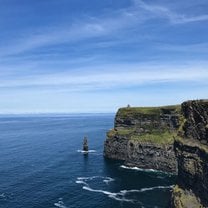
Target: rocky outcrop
point(196, 120)
point(184, 199)
point(145, 118)
point(143, 137)
point(149, 155)
point(115, 147)
point(192, 154)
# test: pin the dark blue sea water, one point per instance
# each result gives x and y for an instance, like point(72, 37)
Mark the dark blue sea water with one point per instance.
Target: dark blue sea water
point(41, 166)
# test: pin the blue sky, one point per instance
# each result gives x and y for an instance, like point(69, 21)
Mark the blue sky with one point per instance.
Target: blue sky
point(96, 56)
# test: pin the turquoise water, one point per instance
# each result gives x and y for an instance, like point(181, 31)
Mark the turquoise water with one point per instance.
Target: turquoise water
point(41, 166)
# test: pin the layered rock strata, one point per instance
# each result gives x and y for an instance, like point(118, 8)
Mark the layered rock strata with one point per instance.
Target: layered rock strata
point(143, 137)
point(191, 147)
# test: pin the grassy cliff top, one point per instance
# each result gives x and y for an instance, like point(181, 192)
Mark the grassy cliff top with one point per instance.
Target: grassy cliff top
point(157, 137)
point(134, 111)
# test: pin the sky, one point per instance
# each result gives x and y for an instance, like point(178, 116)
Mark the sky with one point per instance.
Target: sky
point(70, 56)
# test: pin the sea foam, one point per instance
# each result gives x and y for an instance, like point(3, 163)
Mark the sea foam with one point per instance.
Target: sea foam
point(89, 151)
point(122, 195)
point(60, 204)
point(145, 170)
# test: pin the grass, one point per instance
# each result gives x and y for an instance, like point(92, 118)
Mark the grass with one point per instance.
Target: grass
point(154, 111)
point(156, 136)
point(164, 137)
point(120, 132)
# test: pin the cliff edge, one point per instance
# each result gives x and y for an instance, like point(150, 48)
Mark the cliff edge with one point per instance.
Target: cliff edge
point(191, 147)
point(144, 137)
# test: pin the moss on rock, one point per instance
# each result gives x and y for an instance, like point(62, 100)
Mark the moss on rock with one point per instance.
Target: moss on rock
point(164, 137)
point(184, 199)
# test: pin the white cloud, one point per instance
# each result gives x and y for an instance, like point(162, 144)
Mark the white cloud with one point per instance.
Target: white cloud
point(106, 77)
point(91, 27)
point(190, 48)
point(163, 12)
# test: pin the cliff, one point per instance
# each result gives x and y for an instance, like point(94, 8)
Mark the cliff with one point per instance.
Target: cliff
point(144, 137)
point(191, 147)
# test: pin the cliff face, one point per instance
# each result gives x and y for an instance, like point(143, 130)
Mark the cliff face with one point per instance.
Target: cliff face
point(149, 155)
point(143, 137)
point(192, 154)
point(146, 118)
point(196, 120)
point(115, 147)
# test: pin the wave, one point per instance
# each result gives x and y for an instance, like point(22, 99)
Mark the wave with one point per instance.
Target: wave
point(82, 180)
point(6, 196)
point(89, 151)
point(107, 180)
point(146, 189)
point(2, 195)
point(139, 169)
point(145, 170)
point(122, 195)
point(117, 196)
point(60, 204)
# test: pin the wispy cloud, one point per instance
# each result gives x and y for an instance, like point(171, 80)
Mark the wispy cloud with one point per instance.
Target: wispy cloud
point(91, 27)
point(164, 12)
point(108, 77)
point(81, 29)
point(201, 48)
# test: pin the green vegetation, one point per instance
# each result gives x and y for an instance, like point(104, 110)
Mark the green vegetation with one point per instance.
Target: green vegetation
point(154, 111)
point(156, 136)
point(120, 132)
point(185, 199)
point(111, 133)
point(164, 137)
point(182, 121)
point(148, 127)
point(192, 143)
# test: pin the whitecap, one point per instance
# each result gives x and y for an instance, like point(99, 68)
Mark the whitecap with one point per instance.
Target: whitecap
point(117, 196)
point(139, 169)
point(145, 189)
point(60, 204)
point(81, 182)
point(85, 152)
point(3, 195)
point(156, 187)
point(107, 180)
point(145, 170)
point(6, 196)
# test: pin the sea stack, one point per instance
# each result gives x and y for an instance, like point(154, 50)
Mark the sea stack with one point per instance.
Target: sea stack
point(85, 144)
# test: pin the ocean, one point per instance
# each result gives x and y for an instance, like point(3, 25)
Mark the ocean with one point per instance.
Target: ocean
point(42, 166)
